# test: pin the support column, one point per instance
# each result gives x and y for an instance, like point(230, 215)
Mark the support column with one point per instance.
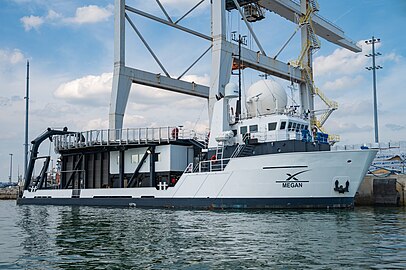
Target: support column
point(221, 54)
point(121, 83)
point(121, 168)
point(306, 97)
point(152, 167)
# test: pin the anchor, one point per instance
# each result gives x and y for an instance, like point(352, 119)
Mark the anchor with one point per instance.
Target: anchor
point(341, 189)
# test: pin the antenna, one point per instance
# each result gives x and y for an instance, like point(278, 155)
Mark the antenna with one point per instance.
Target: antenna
point(374, 68)
point(242, 40)
point(11, 167)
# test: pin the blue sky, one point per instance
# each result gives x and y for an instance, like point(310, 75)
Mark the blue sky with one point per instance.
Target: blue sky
point(70, 48)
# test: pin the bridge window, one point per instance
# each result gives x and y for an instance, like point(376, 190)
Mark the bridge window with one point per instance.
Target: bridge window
point(243, 130)
point(135, 158)
point(254, 128)
point(283, 125)
point(290, 126)
point(272, 126)
point(293, 127)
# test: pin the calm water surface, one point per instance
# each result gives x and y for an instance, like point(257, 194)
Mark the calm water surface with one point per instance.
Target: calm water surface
point(50, 237)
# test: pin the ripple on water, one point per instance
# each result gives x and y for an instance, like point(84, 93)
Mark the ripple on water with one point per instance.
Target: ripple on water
point(49, 237)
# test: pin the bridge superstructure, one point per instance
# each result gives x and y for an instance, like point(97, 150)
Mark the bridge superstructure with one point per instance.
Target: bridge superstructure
point(225, 54)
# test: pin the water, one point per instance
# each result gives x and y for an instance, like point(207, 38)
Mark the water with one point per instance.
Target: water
point(50, 237)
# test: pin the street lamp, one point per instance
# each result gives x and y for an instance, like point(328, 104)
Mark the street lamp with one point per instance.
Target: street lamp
point(374, 68)
point(11, 167)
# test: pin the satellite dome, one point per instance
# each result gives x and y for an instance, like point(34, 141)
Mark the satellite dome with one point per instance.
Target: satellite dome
point(231, 90)
point(266, 97)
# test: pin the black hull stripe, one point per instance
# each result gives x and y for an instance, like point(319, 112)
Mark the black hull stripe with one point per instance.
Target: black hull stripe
point(283, 167)
point(199, 203)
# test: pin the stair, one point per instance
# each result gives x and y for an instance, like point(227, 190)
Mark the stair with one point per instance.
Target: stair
point(314, 5)
point(247, 150)
point(314, 40)
point(243, 150)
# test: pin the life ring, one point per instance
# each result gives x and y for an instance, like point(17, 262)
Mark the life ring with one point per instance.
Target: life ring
point(175, 133)
point(173, 181)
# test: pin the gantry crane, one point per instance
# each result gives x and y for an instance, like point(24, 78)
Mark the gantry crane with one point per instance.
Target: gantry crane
point(224, 53)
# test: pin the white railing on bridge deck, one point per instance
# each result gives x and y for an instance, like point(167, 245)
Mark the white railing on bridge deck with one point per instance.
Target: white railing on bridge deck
point(401, 145)
point(124, 136)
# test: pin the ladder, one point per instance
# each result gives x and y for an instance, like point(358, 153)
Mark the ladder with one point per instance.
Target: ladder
point(219, 151)
point(217, 164)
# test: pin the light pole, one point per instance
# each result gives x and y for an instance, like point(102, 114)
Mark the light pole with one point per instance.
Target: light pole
point(11, 167)
point(374, 68)
point(26, 118)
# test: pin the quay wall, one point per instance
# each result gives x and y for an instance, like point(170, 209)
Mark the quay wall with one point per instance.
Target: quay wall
point(8, 193)
point(385, 191)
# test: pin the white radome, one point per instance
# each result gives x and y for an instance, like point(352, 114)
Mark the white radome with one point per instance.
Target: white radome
point(266, 97)
point(231, 90)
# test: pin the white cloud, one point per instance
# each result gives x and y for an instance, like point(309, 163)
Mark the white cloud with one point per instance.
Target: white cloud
point(345, 82)
point(97, 123)
point(345, 62)
point(395, 127)
point(11, 57)
point(6, 102)
point(340, 62)
point(355, 107)
point(203, 80)
point(92, 90)
point(91, 14)
point(53, 15)
point(32, 22)
point(344, 127)
point(83, 15)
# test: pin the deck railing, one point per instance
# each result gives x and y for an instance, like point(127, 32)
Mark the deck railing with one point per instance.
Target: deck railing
point(208, 166)
point(144, 135)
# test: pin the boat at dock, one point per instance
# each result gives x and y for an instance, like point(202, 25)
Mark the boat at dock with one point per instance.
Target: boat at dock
point(260, 152)
point(263, 161)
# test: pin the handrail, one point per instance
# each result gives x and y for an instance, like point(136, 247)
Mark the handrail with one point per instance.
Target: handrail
point(210, 165)
point(237, 150)
point(126, 136)
point(189, 168)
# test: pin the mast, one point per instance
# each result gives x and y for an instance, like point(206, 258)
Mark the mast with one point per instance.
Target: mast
point(242, 40)
point(26, 118)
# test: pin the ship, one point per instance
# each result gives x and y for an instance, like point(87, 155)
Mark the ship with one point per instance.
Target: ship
point(260, 153)
point(266, 159)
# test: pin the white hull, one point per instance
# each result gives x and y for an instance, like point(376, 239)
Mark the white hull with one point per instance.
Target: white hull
point(281, 180)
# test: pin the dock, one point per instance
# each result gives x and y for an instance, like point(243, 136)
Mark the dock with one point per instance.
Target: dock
point(8, 193)
point(382, 191)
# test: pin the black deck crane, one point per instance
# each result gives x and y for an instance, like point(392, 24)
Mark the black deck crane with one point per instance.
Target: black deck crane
point(48, 134)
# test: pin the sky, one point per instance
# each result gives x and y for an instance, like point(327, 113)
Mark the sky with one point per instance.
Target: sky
point(70, 48)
